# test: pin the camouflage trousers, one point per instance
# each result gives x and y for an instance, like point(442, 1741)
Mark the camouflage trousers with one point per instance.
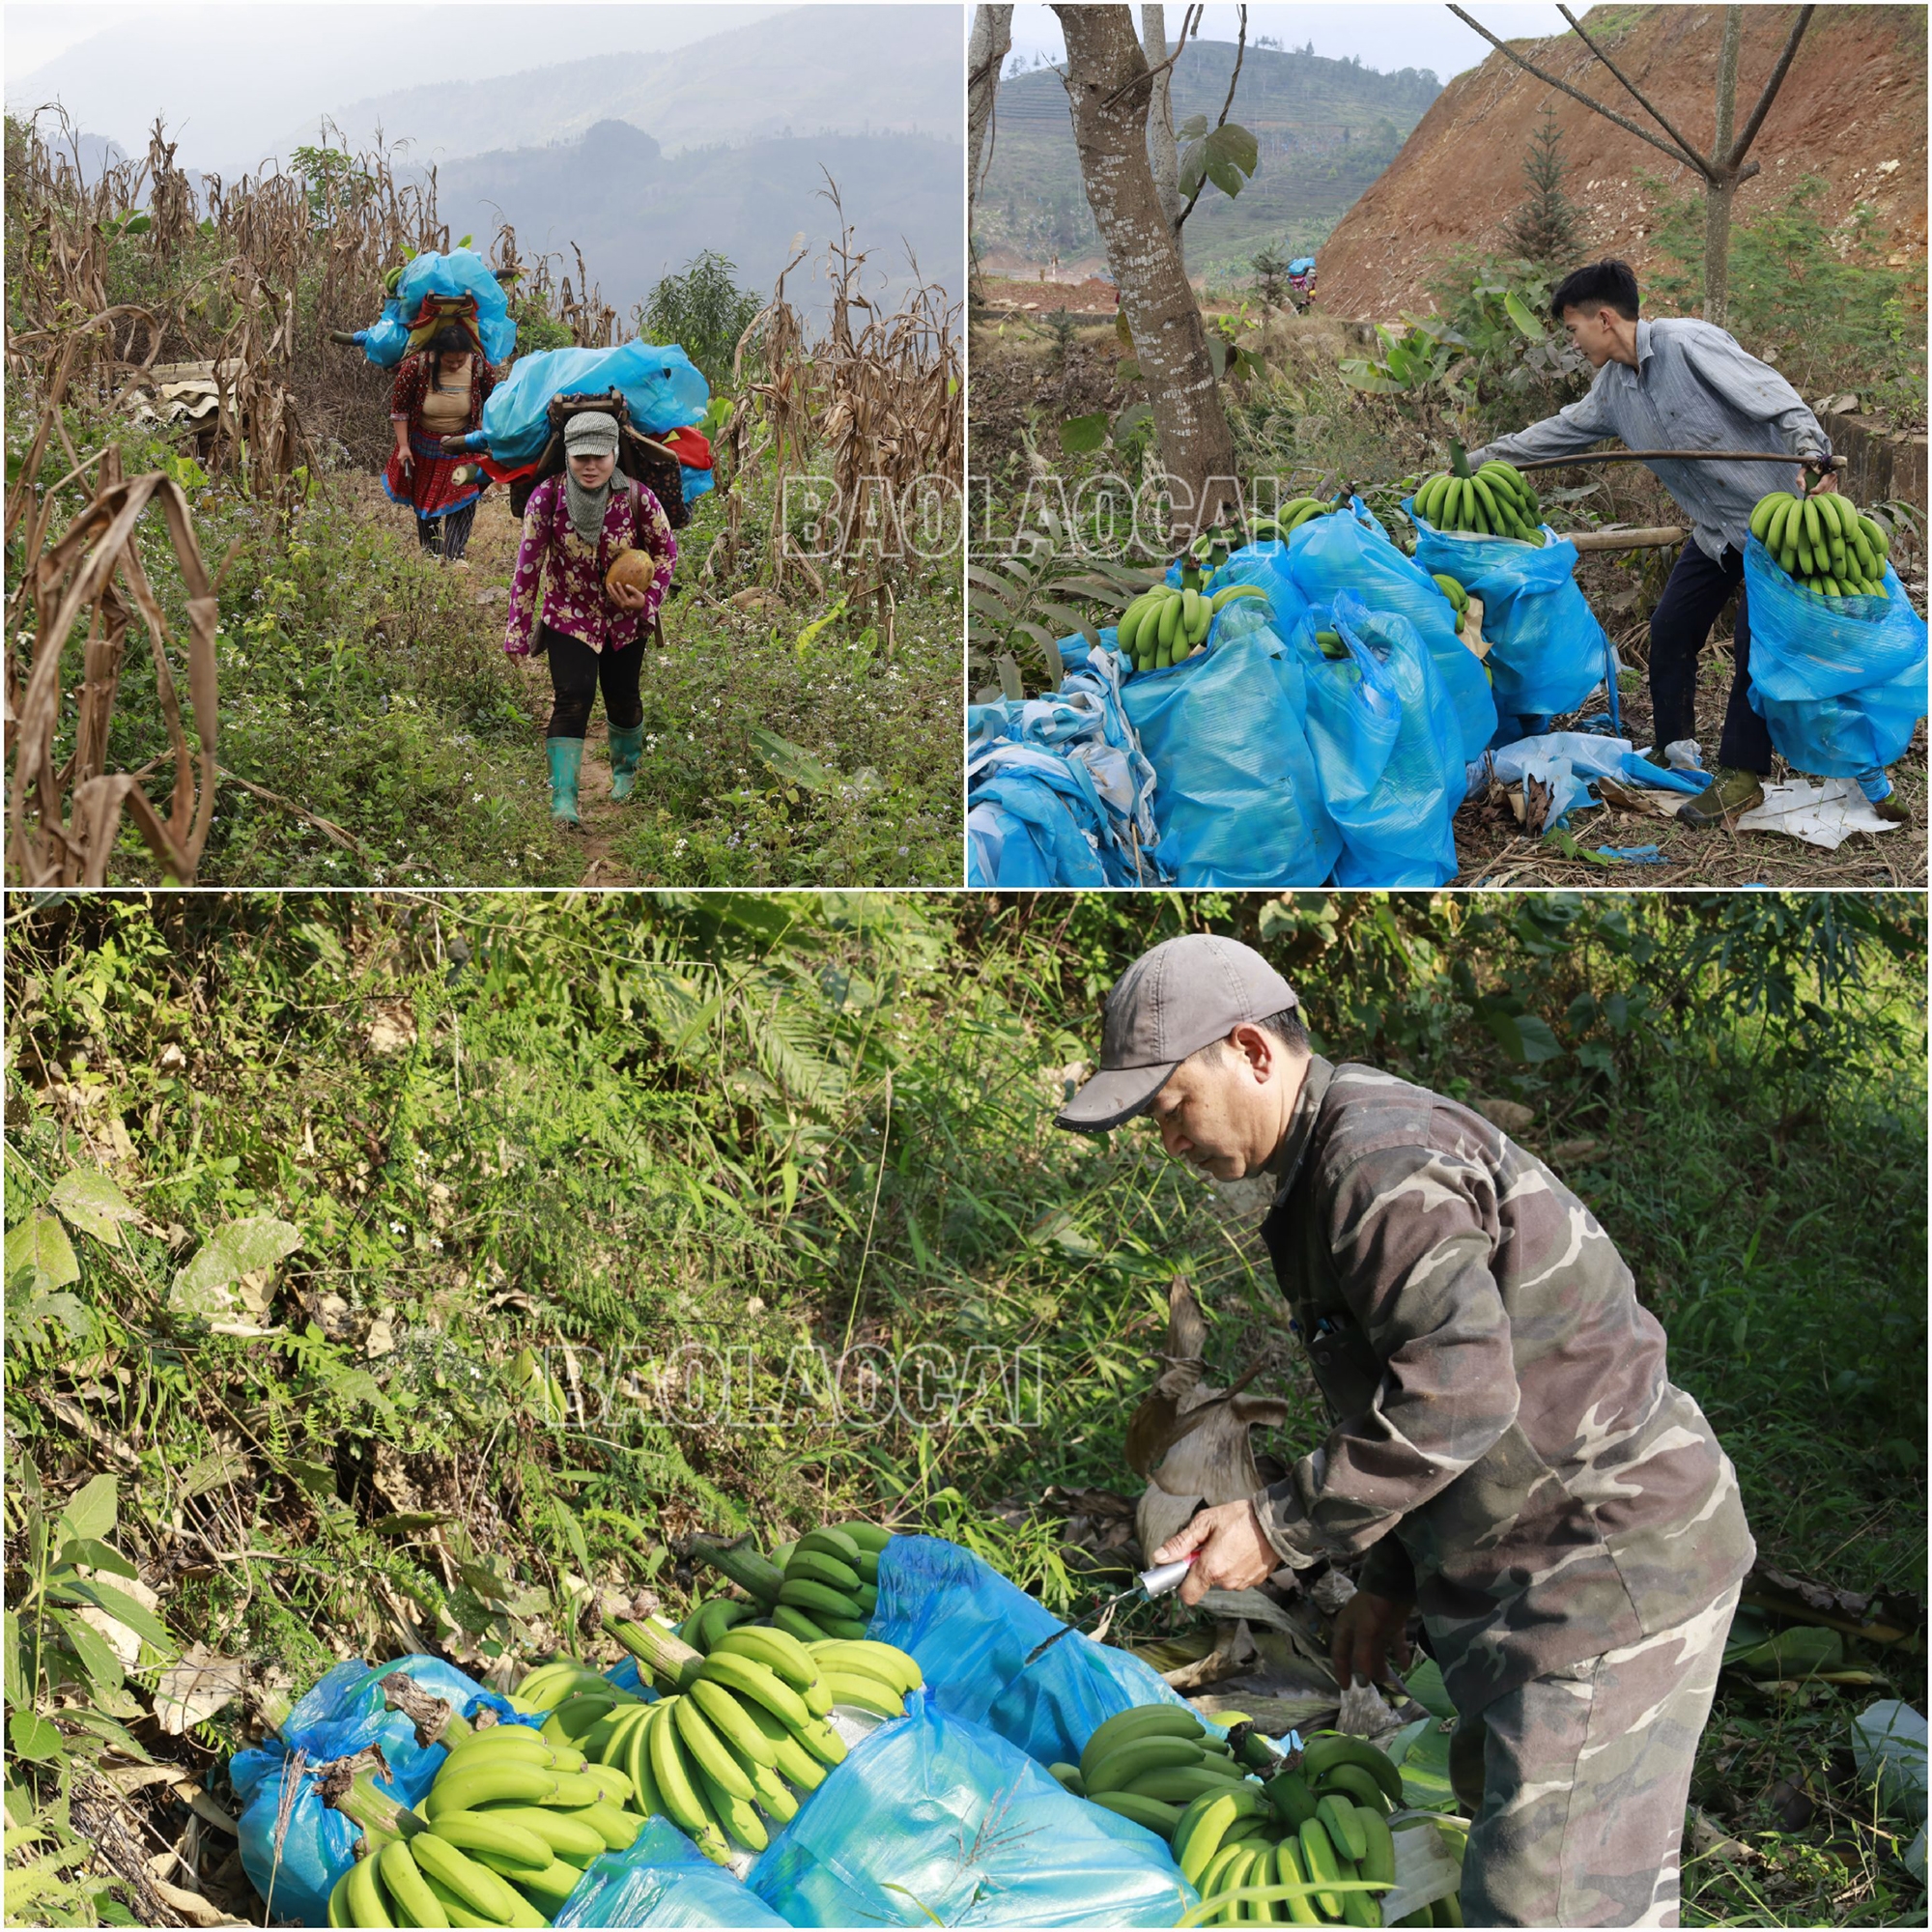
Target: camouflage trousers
point(1576, 1783)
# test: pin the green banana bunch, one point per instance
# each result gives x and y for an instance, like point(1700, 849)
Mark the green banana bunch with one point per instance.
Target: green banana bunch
point(1823, 541)
point(1331, 1762)
point(711, 1618)
point(1457, 596)
point(1496, 500)
point(450, 1864)
point(1150, 1764)
point(1208, 553)
point(742, 1731)
point(868, 1676)
point(1164, 626)
point(1291, 516)
point(825, 1588)
point(1318, 1822)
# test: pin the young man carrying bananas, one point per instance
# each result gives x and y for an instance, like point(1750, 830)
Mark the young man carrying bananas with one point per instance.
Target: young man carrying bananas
point(1506, 1445)
point(1682, 384)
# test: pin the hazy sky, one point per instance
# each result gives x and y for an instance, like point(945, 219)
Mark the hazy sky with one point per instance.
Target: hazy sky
point(1386, 36)
point(233, 79)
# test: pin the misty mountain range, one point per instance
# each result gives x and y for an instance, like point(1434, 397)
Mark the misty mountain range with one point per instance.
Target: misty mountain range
point(643, 162)
point(639, 214)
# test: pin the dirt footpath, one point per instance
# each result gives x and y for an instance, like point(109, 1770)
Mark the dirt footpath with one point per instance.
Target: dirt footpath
point(489, 562)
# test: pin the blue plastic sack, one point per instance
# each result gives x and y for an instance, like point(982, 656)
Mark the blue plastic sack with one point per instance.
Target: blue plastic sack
point(1388, 748)
point(970, 1632)
point(1033, 817)
point(1237, 801)
point(1546, 650)
point(1330, 554)
point(1058, 790)
point(933, 1820)
point(663, 387)
point(463, 271)
point(344, 1713)
point(663, 1879)
point(1839, 681)
point(387, 341)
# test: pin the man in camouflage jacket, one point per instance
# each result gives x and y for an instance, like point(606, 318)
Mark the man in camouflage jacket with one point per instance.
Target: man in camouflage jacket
point(1507, 1447)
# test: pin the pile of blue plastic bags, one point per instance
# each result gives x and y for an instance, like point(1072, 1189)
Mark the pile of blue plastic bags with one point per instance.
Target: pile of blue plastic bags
point(1278, 762)
point(946, 1815)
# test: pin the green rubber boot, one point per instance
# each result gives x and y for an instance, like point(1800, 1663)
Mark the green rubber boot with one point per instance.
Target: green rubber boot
point(566, 760)
point(1730, 794)
point(627, 747)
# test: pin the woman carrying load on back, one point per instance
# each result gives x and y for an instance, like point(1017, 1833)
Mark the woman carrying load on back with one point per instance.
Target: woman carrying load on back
point(438, 391)
point(576, 526)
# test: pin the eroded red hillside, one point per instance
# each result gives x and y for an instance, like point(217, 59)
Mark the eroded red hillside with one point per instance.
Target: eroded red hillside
point(1852, 110)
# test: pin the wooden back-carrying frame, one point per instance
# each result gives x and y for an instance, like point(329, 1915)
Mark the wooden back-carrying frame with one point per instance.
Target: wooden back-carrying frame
point(638, 456)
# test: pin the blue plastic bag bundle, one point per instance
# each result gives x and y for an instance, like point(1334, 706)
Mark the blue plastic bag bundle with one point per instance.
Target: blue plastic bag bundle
point(1388, 748)
point(1546, 650)
point(1239, 802)
point(296, 1869)
point(663, 1879)
point(387, 341)
point(1330, 554)
point(1034, 816)
point(463, 271)
point(970, 1632)
point(663, 387)
point(933, 1820)
point(1839, 681)
point(1087, 717)
point(1593, 756)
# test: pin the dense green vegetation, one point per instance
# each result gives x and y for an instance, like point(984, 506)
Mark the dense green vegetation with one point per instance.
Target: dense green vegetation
point(642, 1123)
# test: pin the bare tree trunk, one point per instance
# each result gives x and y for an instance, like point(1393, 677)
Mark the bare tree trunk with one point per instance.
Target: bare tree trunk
point(1107, 82)
point(1721, 186)
point(1166, 156)
point(986, 54)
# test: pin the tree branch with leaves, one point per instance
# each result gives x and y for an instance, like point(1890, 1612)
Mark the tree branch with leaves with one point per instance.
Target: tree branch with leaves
point(1724, 167)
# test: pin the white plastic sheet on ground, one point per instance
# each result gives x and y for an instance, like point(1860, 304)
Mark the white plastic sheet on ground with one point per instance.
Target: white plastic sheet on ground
point(1822, 815)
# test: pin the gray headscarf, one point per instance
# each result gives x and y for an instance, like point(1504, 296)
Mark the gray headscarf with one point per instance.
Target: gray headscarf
point(587, 506)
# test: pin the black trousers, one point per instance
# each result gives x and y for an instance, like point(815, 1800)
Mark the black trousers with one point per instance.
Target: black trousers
point(1680, 627)
point(576, 671)
point(446, 535)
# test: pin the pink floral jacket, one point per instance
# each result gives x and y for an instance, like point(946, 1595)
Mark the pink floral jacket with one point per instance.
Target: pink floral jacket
point(572, 571)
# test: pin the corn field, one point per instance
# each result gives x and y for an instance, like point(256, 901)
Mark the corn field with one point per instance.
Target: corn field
point(880, 404)
point(215, 318)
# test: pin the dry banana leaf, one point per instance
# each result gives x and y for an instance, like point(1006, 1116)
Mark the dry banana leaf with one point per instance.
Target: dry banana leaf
point(1191, 1440)
point(1232, 1652)
point(194, 1689)
point(1307, 1711)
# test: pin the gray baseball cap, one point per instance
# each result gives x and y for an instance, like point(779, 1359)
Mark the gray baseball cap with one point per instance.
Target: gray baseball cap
point(1170, 1002)
point(591, 432)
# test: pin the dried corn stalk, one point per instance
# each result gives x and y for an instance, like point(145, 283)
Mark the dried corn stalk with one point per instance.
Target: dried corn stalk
point(881, 403)
point(1189, 1440)
point(89, 575)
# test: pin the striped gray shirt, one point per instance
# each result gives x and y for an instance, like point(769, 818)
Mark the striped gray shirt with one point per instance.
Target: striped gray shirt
point(1693, 388)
